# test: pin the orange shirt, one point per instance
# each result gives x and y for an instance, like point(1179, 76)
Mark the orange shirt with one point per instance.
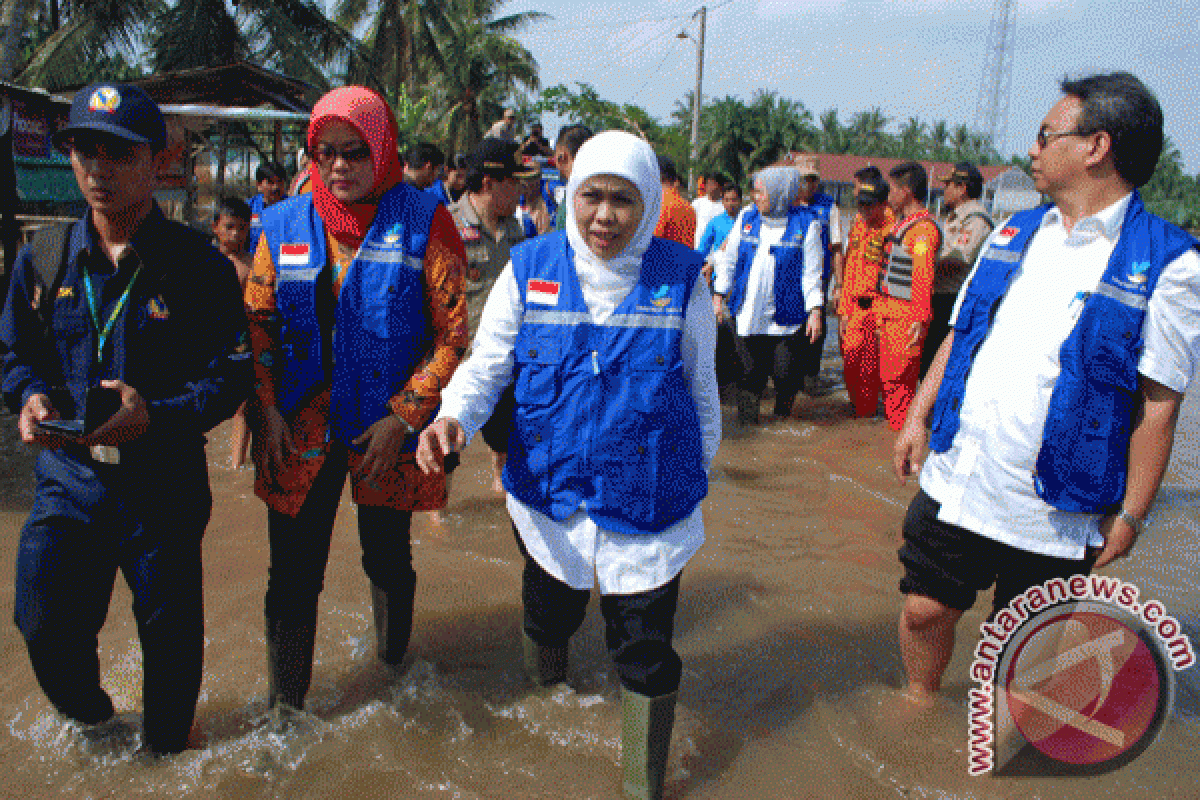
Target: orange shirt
point(406, 488)
point(864, 257)
point(923, 240)
point(677, 221)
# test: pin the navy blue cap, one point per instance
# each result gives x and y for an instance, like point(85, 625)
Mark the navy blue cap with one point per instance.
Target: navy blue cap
point(117, 109)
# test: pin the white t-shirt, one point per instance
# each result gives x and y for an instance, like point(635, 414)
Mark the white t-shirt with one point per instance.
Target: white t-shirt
point(757, 314)
point(576, 550)
point(984, 482)
point(705, 211)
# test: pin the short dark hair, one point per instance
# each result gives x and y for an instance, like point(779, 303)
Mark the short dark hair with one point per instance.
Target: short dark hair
point(423, 153)
point(228, 206)
point(457, 161)
point(716, 178)
point(1120, 105)
point(572, 137)
point(869, 175)
point(270, 169)
point(912, 175)
point(667, 172)
point(730, 186)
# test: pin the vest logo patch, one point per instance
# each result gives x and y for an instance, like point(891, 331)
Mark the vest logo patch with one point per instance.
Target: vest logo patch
point(255, 221)
point(156, 308)
point(661, 296)
point(1005, 236)
point(542, 292)
point(1137, 272)
point(293, 255)
point(747, 228)
point(64, 292)
point(392, 235)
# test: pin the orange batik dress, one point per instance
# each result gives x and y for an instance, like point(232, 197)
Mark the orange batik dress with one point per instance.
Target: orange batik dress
point(406, 488)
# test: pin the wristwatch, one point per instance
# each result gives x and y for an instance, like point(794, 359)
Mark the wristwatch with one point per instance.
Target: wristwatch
point(1131, 521)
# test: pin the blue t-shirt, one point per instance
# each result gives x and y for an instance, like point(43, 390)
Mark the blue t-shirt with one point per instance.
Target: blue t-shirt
point(714, 235)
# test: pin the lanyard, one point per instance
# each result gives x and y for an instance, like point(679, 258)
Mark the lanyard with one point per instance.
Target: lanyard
point(102, 332)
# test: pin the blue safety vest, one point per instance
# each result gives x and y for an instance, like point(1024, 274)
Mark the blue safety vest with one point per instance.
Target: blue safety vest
point(256, 211)
point(821, 205)
point(381, 323)
point(789, 264)
point(1082, 463)
point(604, 416)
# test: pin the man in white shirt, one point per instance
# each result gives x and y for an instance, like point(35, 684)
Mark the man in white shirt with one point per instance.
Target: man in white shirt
point(708, 205)
point(1050, 416)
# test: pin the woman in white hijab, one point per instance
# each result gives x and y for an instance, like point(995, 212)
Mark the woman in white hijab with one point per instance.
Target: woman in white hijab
point(609, 337)
point(768, 276)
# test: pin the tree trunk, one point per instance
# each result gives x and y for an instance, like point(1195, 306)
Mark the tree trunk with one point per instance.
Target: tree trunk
point(13, 17)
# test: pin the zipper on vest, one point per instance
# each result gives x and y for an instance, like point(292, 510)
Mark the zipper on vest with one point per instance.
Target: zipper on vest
point(595, 363)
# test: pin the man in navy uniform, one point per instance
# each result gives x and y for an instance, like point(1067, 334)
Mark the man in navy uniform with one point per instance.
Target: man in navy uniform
point(126, 300)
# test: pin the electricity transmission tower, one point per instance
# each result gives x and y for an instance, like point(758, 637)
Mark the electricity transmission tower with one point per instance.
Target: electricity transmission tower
point(991, 111)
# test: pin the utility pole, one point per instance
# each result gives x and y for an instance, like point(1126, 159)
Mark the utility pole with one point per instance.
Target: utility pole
point(698, 97)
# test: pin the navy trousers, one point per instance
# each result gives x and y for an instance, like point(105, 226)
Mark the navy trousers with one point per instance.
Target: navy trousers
point(88, 521)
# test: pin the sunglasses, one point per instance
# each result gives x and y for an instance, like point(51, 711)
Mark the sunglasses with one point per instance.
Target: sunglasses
point(327, 154)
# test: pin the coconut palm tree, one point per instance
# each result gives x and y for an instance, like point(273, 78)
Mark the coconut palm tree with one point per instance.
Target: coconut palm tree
point(92, 32)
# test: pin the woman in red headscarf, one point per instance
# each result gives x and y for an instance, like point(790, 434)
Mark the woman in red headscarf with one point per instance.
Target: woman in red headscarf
point(358, 319)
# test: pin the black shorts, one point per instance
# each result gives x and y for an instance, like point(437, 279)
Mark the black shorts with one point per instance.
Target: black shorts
point(951, 564)
point(499, 426)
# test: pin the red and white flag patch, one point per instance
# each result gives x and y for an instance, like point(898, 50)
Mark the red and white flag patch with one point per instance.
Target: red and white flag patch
point(1005, 236)
point(542, 292)
point(293, 255)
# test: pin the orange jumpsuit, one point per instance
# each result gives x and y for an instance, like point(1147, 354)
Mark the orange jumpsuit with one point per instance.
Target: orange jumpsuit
point(677, 220)
point(900, 362)
point(859, 328)
point(406, 488)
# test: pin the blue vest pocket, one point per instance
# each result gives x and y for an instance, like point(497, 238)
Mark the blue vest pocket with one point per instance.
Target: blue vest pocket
point(628, 469)
point(537, 370)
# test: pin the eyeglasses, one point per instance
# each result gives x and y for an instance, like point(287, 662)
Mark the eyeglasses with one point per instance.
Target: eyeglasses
point(1044, 137)
point(327, 154)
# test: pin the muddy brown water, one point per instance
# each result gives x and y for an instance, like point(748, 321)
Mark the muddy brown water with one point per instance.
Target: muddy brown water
point(786, 627)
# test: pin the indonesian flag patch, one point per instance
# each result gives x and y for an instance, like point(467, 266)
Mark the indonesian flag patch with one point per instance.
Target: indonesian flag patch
point(293, 255)
point(542, 292)
point(1005, 236)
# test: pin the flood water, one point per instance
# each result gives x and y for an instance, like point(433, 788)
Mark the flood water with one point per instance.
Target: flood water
point(786, 626)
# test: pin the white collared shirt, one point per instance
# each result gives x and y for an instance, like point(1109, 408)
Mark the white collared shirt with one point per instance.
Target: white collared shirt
point(577, 550)
point(705, 211)
point(984, 482)
point(757, 314)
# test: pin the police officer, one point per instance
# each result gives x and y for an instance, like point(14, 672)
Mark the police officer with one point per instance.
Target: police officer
point(965, 224)
point(485, 216)
point(120, 306)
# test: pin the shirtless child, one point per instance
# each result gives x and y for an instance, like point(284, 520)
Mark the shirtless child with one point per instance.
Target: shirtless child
point(231, 227)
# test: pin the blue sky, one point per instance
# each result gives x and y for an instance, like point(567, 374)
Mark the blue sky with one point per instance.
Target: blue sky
point(909, 58)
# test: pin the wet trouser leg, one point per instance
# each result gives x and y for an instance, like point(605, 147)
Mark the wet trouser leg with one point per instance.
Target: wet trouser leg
point(788, 370)
point(65, 572)
point(299, 553)
point(860, 360)
point(162, 565)
point(387, 560)
point(899, 364)
point(638, 631)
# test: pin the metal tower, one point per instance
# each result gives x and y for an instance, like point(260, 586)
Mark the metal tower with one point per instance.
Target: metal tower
point(991, 111)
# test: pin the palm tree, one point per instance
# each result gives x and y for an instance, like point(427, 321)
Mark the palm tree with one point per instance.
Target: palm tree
point(480, 69)
point(727, 137)
point(939, 134)
point(93, 32)
point(911, 143)
point(780, 127)
point(868, 134)
point(832, 138)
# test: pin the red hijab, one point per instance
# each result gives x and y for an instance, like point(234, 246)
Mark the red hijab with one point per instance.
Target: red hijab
point(368, 113)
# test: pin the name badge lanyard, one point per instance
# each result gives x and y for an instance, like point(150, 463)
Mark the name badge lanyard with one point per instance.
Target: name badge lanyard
point(104, 331)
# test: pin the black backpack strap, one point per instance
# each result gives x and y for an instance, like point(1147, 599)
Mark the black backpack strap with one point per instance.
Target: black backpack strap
point(49, 251)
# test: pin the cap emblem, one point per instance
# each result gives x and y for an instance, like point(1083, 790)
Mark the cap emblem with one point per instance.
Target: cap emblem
point(105, 99)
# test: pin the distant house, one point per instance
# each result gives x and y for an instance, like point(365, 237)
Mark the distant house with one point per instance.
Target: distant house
point(1006, 188)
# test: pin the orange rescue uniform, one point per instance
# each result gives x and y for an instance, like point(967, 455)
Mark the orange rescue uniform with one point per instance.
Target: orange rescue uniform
point(859, 327)
point(406, 488)
point(677, 221)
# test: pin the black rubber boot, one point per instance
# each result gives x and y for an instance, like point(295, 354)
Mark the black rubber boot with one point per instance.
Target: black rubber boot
point(545, 666)
point(289, 662)
point(393, 623)
point(645, 741)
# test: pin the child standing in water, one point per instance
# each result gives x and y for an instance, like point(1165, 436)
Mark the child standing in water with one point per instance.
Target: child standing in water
point(231, 229)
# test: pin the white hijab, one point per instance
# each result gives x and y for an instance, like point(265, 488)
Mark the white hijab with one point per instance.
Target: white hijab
point(626, 156)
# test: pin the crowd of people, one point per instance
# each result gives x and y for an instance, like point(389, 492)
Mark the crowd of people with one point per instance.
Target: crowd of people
point(368, 326)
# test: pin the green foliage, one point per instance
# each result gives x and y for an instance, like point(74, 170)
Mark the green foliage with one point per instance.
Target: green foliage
point(1170, 193)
